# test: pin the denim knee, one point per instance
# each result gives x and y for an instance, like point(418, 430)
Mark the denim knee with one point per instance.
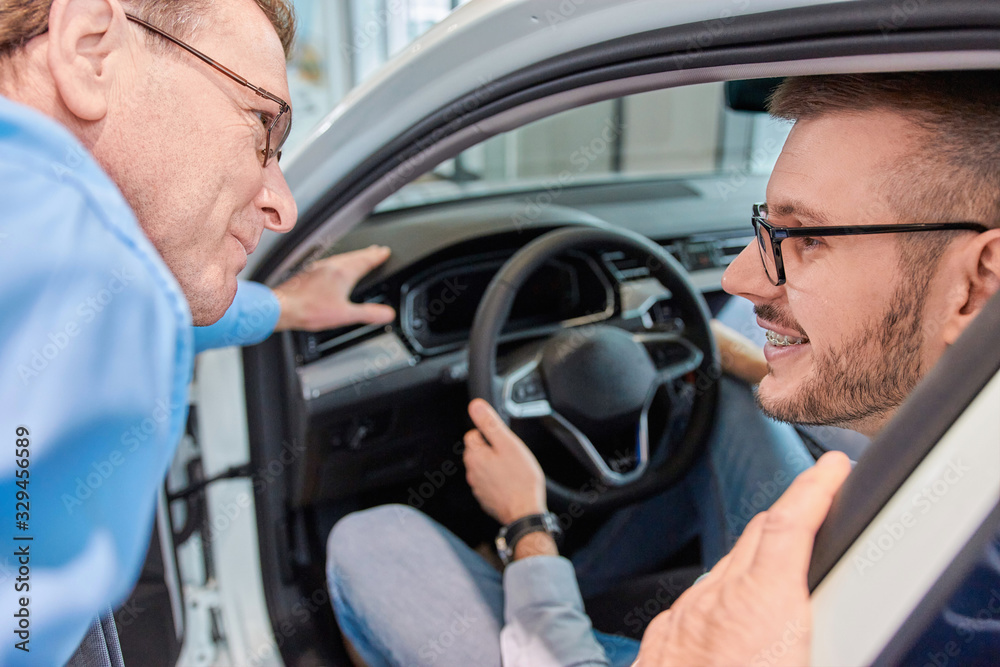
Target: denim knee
point(377, 530)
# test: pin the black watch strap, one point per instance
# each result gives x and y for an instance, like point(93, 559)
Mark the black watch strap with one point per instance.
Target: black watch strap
point(510, 534)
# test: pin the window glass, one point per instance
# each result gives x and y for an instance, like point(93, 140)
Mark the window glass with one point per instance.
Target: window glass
point(673, 134)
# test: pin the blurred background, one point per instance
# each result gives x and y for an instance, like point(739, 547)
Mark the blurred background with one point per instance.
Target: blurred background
point(341, 43)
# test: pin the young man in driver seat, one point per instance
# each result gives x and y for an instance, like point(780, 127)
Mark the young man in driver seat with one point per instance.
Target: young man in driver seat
point(853, 323)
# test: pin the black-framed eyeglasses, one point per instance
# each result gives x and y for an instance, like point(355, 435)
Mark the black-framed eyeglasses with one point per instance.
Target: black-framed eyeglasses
point(277, 127)
point(769, 237)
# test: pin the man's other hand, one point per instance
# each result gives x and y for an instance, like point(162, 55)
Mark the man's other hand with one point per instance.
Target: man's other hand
point(753, 607)
point(739, 356)
point(504, 475)
point(320, 297)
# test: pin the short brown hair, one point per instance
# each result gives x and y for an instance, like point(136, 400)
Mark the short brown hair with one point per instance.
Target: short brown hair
point(22, 20)
point(952, 177)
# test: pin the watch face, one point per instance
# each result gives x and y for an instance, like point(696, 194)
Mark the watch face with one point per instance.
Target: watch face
point(502, 550)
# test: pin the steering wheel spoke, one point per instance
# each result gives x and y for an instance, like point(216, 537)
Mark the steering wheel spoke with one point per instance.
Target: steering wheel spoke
point(523, 391)
point(588, 455)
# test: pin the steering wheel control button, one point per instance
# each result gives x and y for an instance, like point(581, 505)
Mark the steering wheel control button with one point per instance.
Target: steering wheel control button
point(672, 355)
point(667, 355)
point(528, 389)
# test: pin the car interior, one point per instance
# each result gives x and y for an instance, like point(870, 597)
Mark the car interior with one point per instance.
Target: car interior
point(381, 409)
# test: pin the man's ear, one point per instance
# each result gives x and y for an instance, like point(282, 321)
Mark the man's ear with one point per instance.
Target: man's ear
point(85, 36)
point(980, 269)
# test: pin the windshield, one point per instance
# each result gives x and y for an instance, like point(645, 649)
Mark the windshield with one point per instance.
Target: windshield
point(674, 134)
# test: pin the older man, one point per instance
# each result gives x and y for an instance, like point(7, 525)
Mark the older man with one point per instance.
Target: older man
point(853, 318)
point(137, 172)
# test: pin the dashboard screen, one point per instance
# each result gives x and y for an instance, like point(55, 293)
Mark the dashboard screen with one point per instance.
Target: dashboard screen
point(449, 304)
point(442, 307)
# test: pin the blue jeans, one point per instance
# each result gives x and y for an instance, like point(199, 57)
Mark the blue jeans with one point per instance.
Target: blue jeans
point(408, 592)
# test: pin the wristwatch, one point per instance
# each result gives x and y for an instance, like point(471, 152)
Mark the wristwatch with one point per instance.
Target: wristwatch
point(509, 535)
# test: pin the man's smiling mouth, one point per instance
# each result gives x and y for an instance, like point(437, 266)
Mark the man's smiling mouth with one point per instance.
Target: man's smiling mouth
point(780, 340)
point(780, 330)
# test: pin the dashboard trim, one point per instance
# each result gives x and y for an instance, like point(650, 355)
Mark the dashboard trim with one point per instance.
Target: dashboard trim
point(368, 359)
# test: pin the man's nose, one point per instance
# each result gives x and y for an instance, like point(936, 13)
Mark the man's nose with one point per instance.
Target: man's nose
point(746, 277)
point(276, 201)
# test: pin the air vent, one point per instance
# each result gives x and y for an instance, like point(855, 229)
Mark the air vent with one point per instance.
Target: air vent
point(314, 345)
point(323, 343)
point(626, 266)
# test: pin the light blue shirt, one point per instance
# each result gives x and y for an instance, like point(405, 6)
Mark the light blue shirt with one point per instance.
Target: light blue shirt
point(250, 319)
point(96, 351)
point(545, 624)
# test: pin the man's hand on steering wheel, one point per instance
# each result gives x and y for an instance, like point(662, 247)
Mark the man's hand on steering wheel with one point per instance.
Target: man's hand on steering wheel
point(504, 475)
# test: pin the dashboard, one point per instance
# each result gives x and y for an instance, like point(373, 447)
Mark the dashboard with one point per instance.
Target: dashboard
point(436, 300)
point(378, 402)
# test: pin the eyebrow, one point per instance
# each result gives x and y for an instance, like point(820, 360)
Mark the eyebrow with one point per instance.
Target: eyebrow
point(808, 216)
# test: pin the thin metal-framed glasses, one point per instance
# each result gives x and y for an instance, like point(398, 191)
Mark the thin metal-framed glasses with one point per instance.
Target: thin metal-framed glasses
point(277, 127)
point(769, 237)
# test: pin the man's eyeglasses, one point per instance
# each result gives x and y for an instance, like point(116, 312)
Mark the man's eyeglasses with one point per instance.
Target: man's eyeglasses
point(769, 237)
point(277, 127)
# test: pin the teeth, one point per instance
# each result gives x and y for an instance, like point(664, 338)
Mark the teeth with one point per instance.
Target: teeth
point(783, 341)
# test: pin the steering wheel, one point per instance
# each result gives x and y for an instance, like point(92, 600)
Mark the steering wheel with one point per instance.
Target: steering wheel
point(588, 382)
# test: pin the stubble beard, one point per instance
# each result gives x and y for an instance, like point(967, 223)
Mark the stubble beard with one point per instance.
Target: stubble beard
point(863, 381)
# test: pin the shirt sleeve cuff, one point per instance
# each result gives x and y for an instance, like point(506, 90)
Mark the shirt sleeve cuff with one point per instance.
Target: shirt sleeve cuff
point(540, 581)
point(545, 622)
point(250, 319)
